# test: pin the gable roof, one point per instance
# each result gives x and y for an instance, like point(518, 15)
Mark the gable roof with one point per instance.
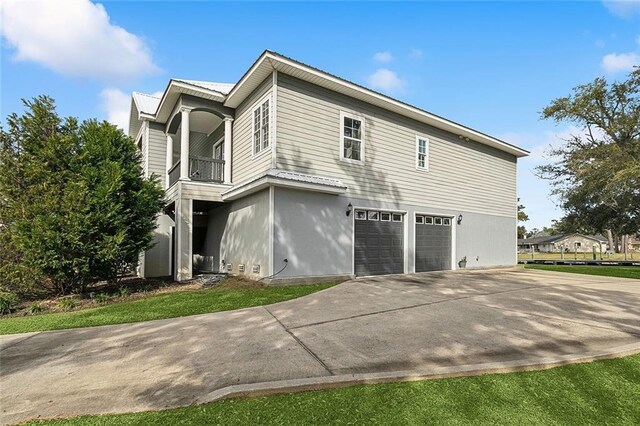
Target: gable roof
point(223, 88)
point(548, 239)
point(269, 61)
point(145, 103)
point(232, 95)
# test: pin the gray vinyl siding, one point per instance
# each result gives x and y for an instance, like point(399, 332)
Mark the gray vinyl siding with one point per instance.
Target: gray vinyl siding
point(463, 175)
point(157, 151)
point(244, 166)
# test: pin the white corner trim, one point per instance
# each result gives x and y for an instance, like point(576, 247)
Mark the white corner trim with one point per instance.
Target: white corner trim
point(274, 117)
point(272, 225)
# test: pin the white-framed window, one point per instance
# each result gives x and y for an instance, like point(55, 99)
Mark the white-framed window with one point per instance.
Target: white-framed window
point(446, 221)
point(373, 215)
point(262, 125)
point(422, 153)
point(419, 219)
point(437, 220)
point(396, 217)
point(351, 138)
point(428, 220)
point(361, 215)
point(385, 216)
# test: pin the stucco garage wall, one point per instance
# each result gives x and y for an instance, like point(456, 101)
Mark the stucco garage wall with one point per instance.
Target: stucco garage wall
point(313, 232)
point(157, 260)
point(238, 233)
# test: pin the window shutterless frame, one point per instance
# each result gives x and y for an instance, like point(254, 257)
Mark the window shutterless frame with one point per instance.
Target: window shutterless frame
point(261, 125)
point(422, 153)
point(352, 140)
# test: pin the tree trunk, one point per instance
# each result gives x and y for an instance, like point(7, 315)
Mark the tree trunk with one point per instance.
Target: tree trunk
point(625, 245)
point(610, 238)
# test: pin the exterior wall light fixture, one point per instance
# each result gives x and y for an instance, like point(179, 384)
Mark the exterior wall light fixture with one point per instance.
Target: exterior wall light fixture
point(459, 219)
point(349, 209)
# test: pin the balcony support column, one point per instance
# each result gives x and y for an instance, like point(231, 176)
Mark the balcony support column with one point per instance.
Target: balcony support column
point(228, 134)
point(184, 144)
point(169, 158)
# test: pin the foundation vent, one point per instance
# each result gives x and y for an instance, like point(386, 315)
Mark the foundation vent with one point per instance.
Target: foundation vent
point(229, 267)
point(241, 267)
point(255, 269)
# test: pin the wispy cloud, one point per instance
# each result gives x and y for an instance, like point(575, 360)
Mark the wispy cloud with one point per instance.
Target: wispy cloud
point(623, 8)
point(74, 37)
point(386, 80)
point(416, 53)
point(614, 63)
point(383, 57)
point(116, 104)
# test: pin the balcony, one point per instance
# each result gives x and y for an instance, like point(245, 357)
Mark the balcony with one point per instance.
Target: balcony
point(200, 169)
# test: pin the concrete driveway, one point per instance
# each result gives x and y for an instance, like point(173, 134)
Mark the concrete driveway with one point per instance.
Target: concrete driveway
point(363, 330)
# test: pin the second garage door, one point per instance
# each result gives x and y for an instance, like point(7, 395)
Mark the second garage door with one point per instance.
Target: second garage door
point(379, 243)
point(433, 243)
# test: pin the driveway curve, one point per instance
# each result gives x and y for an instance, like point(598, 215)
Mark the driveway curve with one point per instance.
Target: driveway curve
point(363, 330)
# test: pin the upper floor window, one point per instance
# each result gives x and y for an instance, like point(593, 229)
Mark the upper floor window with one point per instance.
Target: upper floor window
point(261, 122)
point(352, 138)
point(422, 153)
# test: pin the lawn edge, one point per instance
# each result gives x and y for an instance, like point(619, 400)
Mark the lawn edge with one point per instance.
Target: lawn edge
point(57, 330)
point(320, 383)
point(466, 370)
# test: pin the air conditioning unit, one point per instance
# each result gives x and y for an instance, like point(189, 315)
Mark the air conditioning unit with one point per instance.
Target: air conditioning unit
point(229, 267)
point(255, 269)
point(241, 267)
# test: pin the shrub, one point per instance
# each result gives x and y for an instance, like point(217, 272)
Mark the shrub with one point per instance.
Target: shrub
point(67, 303)
point(8, 303)
point(102, 298)
point(35, 308)
point(124, 291)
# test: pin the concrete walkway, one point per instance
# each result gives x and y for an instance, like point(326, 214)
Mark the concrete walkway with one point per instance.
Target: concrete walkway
point(372, 329)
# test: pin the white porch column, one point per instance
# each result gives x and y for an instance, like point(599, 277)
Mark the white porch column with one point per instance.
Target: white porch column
point(169, 158)
point(183, 229)
point(184, 144)
point(228, 130)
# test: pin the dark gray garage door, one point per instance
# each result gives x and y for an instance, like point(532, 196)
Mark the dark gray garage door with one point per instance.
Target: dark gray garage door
point(379, 243)
point(433, 243)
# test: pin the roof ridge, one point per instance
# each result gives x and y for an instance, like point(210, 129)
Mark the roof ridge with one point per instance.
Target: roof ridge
point(147, 95)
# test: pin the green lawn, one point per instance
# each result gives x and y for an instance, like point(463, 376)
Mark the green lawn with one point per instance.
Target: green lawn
point(609, 271)
point(169, 305)
point(603, 392)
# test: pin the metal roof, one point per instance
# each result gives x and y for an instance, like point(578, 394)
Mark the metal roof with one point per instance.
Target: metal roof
point(146, 103)
point(223, 88)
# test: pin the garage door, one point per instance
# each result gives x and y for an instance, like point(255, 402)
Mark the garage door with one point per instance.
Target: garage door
point(433, 243)
point(379, 242)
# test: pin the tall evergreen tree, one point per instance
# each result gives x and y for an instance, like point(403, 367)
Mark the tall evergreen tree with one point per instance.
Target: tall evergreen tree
point(74, 206)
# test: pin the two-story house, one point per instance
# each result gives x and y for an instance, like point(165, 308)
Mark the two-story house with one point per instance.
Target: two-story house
point(295, 173)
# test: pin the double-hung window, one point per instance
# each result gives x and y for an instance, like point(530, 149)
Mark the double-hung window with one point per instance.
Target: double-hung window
point(422, 153)
point(261, 123)
point(352, 138)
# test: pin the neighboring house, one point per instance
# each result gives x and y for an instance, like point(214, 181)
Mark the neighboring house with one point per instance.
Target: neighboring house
point(295, 172)
point(563, 242)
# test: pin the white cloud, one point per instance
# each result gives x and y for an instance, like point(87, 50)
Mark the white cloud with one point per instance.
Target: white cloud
point(383, 57)
point(415, 53)
point(73, 37)
point(623, 8)
point(599, 43)
point(116, 104)
point(614, 62)
point(386, 80)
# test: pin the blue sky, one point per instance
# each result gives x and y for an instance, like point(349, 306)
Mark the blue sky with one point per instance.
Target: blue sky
point(490, 66)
